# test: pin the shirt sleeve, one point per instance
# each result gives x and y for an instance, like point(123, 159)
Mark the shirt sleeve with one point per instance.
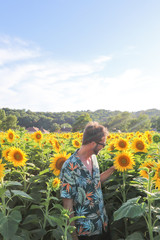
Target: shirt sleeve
point(68, 183)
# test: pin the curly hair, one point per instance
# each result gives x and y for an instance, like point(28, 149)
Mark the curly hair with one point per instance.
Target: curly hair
point(94, 132)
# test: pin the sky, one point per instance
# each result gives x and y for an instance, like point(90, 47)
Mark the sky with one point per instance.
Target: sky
point(76, 55)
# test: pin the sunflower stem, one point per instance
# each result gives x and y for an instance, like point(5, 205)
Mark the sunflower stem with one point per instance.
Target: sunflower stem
point(46, 207)
point(150, 227)
point(65, 231)
point(24, 179)
point(124, 186)
point(3, 200)
point(124, 200)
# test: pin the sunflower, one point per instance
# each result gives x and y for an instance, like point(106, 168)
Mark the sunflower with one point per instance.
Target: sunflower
point(57, 146)
point(76, 135)
point(116, 136)
point(37, 136)
point(124, 161)
point(2, 169)
point(10, 136)
point(156, 138)
point(50, 141)
point(150, 165)
point(81, 135)
point(76, 143)
point(108, 137)
point(67, 135)
point(56, 183)
point(3, 140)
point(121, 144)
point(17, 157)
point(148, 136)
point(139, 145)
point(5, 153)
point(157, 185)
point(57, 162)
point(111, 146)
point(131, 134)
point(139, 135)
point(157, 176)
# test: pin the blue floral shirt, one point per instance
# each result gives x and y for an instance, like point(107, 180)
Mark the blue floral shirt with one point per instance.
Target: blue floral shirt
point(85, 190)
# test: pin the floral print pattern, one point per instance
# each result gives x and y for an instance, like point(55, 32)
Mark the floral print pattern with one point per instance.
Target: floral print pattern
point(85, 190)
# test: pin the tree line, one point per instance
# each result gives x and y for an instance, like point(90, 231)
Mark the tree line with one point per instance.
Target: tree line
point(75, 121)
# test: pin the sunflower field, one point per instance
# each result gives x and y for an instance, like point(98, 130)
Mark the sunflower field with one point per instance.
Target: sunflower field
point(30, 204)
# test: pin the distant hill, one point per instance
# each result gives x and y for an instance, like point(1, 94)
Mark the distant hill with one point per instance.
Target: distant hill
point(150, 112)
point(112, 119)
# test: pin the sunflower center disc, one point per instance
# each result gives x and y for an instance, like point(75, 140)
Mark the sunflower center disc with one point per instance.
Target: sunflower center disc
point(156, 139)
point(59, 163)
point(18, 156)
point(11, 136)
point(122, 144)
point(38, 136)
point(140, 146)
point(123, 161)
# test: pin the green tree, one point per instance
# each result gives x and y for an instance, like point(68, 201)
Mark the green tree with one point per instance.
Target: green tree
point(81, 122)
point(45, 122)
point(10, 122)
point(154, 121)
point(65, 126)
point(119, 122)
point(142, 123)
point(2, 115)
point(158, 124)
point(28, 121)
point(55, 127)
point(2, 118)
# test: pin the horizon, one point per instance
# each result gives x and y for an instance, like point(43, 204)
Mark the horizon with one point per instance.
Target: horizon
point(81, 110)
point(68, 56)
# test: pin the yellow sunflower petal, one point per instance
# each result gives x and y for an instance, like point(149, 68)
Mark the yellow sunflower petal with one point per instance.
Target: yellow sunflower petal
point(150, 165)
point(57, 146)
point(5, 153)
point(139, 145)
point(2, 169)
point(124, 161)
point(121, 144)
point(57, 162)
point(157, 176)
point(56, 183)
point(76, 143)
point(37, 136)
point(10, 135)
point(17, 157)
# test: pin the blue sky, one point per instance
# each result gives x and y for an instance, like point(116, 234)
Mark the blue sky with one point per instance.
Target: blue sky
point(69, 55)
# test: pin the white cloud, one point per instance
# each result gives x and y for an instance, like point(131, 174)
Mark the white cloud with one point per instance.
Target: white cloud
point(12, 50)
point(29, 80)
point(12, 55)
point(130, 91)
point(102, 59)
